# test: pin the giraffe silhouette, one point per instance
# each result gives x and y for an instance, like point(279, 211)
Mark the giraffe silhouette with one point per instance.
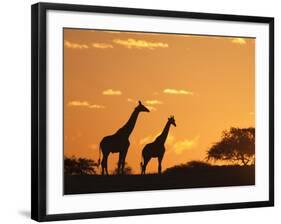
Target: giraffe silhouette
point(156, 148)
point(119, 142)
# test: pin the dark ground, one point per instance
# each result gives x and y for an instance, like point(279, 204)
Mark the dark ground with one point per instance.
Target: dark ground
point(214, 176)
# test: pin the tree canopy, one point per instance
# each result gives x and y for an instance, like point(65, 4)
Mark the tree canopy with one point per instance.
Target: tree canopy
point(236, 146)
point(79, 166)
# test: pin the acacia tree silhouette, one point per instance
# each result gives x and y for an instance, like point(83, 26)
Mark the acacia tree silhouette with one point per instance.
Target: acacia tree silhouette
point(79, 166)
point(236, 146)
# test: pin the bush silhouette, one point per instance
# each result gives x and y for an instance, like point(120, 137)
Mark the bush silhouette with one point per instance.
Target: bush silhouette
point(79, 166)
point(236, 146)
point(127, 170)
point(198, 163)
point(191, 165)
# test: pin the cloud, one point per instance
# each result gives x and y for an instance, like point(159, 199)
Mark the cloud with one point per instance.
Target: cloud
point(76, 103)
point(238, 40)
point(111, 92)
point(148, 103)
point(101, 45)
point(153, 102)
point(72, 45)
point(177, 92)
point(96, 106)
point(180, 146)
point(140, 44)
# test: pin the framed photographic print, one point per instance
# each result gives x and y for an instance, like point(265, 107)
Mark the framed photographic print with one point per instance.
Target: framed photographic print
point(139, 111)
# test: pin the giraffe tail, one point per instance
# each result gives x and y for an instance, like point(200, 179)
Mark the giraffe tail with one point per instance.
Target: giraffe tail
point(99, 156)
point(141, 164)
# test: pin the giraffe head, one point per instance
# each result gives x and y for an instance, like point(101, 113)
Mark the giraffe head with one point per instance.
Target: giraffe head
point(142, 108)
point(172, 121)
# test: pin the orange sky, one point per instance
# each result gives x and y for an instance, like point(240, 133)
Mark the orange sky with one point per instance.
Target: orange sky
point(207, 83)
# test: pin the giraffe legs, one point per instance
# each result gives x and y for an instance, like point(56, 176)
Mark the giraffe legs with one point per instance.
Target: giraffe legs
point(104, 164)
point(159, 164)
point(145, 162)
point(107, 149)
point(121, 162)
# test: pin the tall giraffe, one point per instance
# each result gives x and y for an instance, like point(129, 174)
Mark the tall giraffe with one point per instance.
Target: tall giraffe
point(119, 142)
point(156, 148)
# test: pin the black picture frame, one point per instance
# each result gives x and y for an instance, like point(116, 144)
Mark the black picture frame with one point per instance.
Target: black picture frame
point(39, 107)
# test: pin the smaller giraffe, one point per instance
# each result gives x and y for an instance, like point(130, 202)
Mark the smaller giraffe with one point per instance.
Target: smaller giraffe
point(156, 148)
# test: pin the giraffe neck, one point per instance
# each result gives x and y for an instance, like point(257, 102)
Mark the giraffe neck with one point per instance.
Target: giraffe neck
point(127, 129)
point(163, 136)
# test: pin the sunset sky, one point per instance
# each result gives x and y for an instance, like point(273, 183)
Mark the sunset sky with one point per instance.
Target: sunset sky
point(206, 82)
